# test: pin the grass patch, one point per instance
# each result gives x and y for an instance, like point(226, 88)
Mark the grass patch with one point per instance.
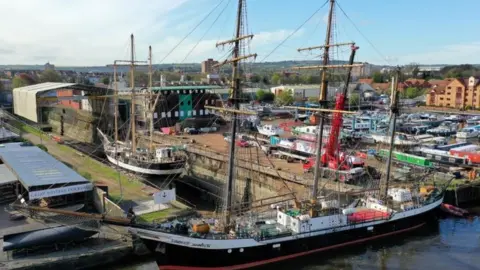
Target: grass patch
point(90, 168)
point(158, 215)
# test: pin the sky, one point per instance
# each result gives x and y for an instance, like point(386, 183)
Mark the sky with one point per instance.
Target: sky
point(92, 32)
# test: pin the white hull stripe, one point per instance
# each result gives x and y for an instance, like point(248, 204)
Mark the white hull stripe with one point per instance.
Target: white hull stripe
point(144, 170)
point(243, 243)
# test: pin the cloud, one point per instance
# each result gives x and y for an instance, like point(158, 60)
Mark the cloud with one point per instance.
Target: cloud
point(449, 54)
point(76, 32)
point(262, 42)
point(92, 32)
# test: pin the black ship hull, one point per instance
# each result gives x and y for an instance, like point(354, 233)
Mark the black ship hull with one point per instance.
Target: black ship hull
point(171, 256)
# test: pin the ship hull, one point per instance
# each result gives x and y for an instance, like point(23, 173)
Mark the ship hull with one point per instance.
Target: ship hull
point(165, 168)
point(171, 256)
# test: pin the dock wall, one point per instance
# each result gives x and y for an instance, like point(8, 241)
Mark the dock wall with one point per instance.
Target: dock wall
point(209, 168)
point(103, 204)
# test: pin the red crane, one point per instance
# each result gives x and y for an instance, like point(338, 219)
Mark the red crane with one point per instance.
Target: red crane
point(329, 154)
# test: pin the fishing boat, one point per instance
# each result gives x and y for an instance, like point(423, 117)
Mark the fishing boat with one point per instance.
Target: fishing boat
point(158, 160)
point(306, 227)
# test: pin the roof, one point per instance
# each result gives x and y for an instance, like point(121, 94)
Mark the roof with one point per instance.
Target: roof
point(42, 87)
point(186, 87)
point(35, 167)
point(6, 175)
point(6, 134)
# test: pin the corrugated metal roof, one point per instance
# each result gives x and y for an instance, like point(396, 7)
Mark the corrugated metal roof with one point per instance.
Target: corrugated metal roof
point(41, 87)
point(186, 87)
point(35, 167)
point(6, 176)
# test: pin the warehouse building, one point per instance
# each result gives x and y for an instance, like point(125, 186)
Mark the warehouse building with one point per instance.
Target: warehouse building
point(38, 177)
point(32, 102)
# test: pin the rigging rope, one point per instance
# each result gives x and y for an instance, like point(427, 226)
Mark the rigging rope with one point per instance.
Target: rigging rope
point(361, 33)
point(189, 33)
point(296, 30)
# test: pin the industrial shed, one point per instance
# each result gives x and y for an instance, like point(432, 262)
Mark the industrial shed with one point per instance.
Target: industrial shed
point(41, 176)
point(29, 101)
point(25, 98)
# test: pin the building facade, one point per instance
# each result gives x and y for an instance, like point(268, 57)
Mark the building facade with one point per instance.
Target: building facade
point(456, 93)
point(208, 66)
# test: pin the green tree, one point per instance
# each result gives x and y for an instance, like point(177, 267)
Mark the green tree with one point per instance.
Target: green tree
point(50, 75)
point(276, 78)
point(19, 82)
point(260, 94)
point(255, 78)
point(141, 78)
point(413, 92)
point(354, 99)
point(415, 72)
point(265, 80)
point(284, 98)
point(106, 80)
point(377, 77)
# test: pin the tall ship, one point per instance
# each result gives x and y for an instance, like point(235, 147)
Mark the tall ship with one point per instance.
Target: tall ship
point(290, 230)
point(246, 235)
point(150, 160)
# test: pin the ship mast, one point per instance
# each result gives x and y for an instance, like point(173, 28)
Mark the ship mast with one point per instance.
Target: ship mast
point(235, 98)
point(151, 108)
point(323, 94)
point(393, 122)
point(132, 84)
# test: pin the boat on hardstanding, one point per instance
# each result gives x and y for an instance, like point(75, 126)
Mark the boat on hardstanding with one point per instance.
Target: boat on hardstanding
point(244, 238)
point(158, 160)
point(294, 230)
point(446, 128)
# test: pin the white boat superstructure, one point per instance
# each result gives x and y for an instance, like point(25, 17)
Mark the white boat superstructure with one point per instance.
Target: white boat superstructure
point(400, 139)
point(446, 128)
point(270, 130)
point(469, 132)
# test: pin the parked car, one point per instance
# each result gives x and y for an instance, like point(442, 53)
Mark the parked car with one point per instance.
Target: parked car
point(242, 143)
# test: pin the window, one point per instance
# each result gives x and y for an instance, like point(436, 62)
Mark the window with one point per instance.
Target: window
point(194, 113)
point(169, 114)
point(176, 113)
point(163, 114)
point(449, 87)
point(448, 93)
point(441, 98)
point(201, 112)
point(182, 113)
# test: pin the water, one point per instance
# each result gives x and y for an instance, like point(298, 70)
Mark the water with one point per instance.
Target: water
point(453, 244)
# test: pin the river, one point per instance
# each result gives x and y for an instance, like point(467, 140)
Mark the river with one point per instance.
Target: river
point(452, 244)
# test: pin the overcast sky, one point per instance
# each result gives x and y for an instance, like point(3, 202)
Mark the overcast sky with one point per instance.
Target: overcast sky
point(96, 32)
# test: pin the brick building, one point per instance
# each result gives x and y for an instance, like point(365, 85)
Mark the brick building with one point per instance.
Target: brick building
point(455, 93)
point(208, 66)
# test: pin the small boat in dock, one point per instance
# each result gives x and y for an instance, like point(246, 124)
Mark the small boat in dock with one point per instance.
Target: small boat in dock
point(456, 211)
